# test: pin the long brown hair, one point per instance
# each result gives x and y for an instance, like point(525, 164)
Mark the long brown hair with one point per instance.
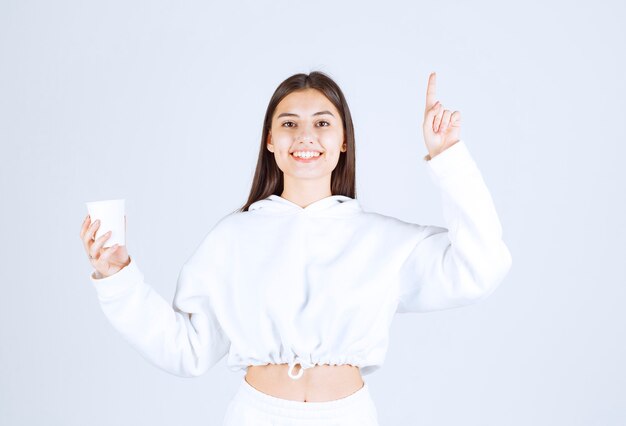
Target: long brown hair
point(268, 178)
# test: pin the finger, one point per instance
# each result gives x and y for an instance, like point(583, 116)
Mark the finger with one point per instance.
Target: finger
point(88, 238)
point(109, 252)
point(455, 119)
point(97, 245)
point(445, 120)
point(430, 115)
point(84, 226)
point(87, 235)
point(93, 229)
point(437, 121)
point(430, 90)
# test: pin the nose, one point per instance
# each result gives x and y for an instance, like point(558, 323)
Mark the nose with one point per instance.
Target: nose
point(305, 134)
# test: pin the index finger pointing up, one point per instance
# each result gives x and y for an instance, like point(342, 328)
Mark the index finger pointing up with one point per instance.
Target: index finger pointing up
point(430, 91)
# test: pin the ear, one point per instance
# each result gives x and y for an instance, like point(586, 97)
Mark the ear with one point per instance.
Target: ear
point(270, 146)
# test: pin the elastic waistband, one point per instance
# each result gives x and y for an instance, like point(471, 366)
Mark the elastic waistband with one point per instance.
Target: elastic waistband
point(286, 407)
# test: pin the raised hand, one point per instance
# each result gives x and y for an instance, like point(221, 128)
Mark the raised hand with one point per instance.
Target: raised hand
point(442, 128)
point(106, 261)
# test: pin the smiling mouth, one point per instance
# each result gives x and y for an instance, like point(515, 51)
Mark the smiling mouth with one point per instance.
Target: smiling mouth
point(306, 159)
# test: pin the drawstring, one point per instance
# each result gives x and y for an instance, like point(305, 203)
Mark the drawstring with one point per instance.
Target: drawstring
point(300, 373)
point(303, 366)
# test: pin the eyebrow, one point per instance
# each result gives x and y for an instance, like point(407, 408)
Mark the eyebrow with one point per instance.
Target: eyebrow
point(290, 114)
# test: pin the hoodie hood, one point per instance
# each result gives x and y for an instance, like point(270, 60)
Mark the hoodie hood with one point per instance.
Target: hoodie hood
point(332, 205)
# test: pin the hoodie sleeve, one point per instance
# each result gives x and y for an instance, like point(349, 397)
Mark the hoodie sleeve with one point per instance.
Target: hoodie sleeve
point(184, 339)
point(465, 261)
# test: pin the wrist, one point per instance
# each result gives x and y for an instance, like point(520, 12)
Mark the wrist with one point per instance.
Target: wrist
point(431, 155)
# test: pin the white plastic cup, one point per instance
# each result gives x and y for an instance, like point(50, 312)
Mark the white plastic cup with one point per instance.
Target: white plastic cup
point(112, 218)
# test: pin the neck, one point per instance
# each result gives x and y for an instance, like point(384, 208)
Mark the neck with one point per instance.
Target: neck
point(304, 192)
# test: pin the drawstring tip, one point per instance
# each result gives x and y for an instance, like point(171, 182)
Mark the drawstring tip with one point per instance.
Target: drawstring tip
point(297, 376)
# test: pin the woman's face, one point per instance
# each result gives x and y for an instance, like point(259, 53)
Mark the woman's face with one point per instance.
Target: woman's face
point(306, 120)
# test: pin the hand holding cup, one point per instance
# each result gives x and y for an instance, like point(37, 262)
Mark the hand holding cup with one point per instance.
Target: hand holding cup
point(107, 261)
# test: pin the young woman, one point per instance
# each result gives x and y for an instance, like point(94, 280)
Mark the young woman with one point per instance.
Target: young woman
point(300, 285)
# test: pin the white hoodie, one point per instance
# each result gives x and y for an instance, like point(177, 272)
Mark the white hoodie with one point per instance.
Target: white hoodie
point(315, 285)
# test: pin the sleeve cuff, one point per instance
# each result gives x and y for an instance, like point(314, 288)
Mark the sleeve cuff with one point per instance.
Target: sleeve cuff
point(454, 160)
point(119, 283)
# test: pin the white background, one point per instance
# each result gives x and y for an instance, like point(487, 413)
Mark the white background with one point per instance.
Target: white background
point(161, 103)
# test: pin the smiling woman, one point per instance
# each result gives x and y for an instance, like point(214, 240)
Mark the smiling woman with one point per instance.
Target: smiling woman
point(307, 114)
point(299, 287)
point(310, 135)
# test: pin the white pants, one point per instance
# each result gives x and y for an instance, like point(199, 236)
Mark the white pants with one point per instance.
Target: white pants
point(251, 407)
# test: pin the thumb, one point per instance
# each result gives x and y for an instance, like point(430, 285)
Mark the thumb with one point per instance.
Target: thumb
point(430, 113)
point(435, 109)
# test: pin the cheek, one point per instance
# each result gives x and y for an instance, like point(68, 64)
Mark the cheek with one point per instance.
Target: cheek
point(331, 157)
point(333, 140)
point(281, 154)
point(281, 143)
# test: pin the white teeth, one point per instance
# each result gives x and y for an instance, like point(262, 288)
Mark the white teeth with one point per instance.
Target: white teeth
point(306, 154)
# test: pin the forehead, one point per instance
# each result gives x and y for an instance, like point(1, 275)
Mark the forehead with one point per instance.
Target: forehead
point(305, 102)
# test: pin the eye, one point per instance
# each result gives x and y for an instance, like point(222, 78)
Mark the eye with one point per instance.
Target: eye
point(292, 124)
